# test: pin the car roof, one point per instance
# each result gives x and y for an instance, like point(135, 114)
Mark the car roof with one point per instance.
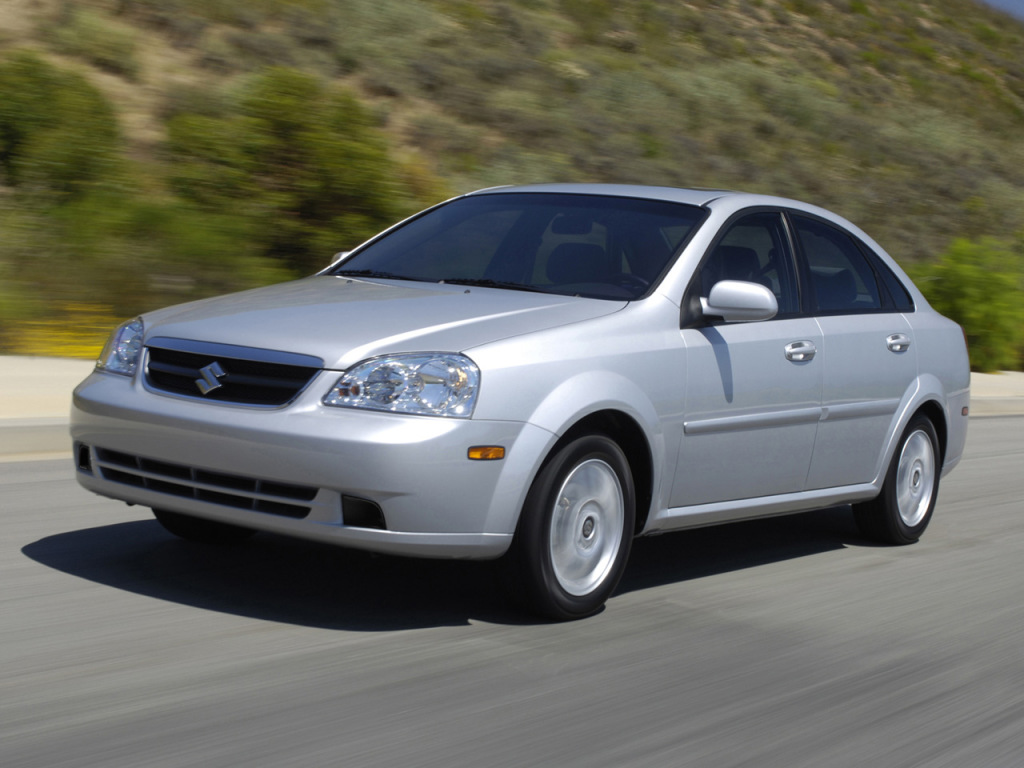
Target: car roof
point(670, 194)
point(727, 200)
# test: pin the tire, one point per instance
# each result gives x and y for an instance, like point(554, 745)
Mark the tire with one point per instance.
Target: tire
point(200, 530)
point(902, 511)
point(575, 531)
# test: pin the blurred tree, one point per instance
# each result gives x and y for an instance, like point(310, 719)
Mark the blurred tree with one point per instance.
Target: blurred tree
point(980, 284)
point(58, 135)
point(86, 225)
point(301, 161)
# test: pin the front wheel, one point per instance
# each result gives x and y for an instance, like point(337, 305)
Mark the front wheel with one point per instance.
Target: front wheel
point(901, 512)
point(575, 531)
point(199, 529)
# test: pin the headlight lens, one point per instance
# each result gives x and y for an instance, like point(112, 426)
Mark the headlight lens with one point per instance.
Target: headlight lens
point(123, 350)
point(425, 384)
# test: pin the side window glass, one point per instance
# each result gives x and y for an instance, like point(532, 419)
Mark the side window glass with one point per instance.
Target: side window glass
point(841, 279)
point(754, 249)
point(900, 296)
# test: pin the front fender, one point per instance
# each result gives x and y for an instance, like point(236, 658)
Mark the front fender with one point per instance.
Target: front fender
point(596, 392)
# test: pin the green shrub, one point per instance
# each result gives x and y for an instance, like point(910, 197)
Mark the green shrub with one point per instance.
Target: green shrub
point(171, 17)
point(98, 40)
point(303, 162)
point(58, 134)
point(131, 253)
point(980, 285)
point(591, 17)
point(261, 49)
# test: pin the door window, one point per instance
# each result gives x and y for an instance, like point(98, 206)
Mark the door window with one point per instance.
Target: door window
point(754, 249)
point(841, 280)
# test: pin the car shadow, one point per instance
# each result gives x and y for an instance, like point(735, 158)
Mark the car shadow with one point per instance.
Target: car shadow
point(701, 552)
point(290, 581)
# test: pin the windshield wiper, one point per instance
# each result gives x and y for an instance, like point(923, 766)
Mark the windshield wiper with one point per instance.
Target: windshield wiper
point(485, 282)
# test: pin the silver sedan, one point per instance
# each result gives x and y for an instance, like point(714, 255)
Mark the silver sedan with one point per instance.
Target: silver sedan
point(538, 375)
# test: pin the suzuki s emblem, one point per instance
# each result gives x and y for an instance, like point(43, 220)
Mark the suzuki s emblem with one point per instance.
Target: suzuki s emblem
point(210, 375)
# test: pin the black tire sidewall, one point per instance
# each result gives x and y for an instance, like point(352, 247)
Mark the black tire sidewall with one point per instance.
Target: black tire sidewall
point(902, 531)
point(532, 543)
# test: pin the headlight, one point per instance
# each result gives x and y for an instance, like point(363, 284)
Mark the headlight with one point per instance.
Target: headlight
point(123, 350)
point(426, 384)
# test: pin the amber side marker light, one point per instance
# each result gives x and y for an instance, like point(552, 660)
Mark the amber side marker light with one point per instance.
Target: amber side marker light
point(486, 452)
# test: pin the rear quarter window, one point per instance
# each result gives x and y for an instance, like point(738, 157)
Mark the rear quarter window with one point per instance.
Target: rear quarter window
point(901, 298)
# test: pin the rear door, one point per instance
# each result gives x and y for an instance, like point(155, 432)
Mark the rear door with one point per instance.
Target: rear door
point(868, 356)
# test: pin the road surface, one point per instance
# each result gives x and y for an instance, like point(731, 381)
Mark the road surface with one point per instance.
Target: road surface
point(786, 642)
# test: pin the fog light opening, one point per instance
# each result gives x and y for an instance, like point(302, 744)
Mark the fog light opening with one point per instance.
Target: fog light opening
point(83, 459)
point(362, 513)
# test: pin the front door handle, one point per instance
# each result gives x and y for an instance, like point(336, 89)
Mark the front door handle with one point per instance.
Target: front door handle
point(898, 342)
point(800, 351)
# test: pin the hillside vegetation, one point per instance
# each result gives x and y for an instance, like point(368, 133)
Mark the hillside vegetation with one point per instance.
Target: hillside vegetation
point(154, 151)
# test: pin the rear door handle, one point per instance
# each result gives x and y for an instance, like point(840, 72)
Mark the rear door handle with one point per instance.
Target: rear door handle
point(898, 342)
point(800, 351)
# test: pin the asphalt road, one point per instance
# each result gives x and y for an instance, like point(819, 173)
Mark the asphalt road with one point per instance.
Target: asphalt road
point(787, 642)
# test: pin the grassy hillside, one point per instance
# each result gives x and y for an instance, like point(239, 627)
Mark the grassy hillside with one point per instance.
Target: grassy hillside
point(907, 117)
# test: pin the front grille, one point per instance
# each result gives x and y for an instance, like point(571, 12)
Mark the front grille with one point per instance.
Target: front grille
point(203, 485)
point(226, 373)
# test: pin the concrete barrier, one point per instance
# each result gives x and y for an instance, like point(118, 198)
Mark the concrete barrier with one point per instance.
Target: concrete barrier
point(35, 400)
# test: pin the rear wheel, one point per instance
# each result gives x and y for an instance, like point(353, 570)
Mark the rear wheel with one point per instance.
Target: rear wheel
point(198, 529)
point(903, 509)
point(575, 531)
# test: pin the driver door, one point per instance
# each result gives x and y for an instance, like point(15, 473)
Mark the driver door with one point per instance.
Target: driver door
point(753, 390)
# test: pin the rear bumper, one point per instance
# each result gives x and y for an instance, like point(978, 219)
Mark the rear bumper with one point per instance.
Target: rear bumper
point(246, 465)
point(956, 423)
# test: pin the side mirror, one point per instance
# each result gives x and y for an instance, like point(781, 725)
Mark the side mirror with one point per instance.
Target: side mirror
point(737, 301)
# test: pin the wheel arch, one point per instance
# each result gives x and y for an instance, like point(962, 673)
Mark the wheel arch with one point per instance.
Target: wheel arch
point(935, 413)
point(630, 437)
point(925, 397)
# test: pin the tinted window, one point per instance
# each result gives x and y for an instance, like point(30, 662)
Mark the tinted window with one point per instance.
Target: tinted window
point(841, 279)
point(588, 245)
point(901, 298)
point(754, 249)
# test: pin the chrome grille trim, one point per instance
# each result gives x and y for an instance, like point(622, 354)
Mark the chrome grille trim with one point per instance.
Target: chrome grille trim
point(245, 375)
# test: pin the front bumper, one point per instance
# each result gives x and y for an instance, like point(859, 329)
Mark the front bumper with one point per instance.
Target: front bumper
point(287, 470)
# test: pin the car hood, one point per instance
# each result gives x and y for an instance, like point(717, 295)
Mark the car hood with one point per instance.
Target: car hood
point(344, 320)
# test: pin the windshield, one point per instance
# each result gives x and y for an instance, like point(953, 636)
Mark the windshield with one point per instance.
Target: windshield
point(586, 245)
